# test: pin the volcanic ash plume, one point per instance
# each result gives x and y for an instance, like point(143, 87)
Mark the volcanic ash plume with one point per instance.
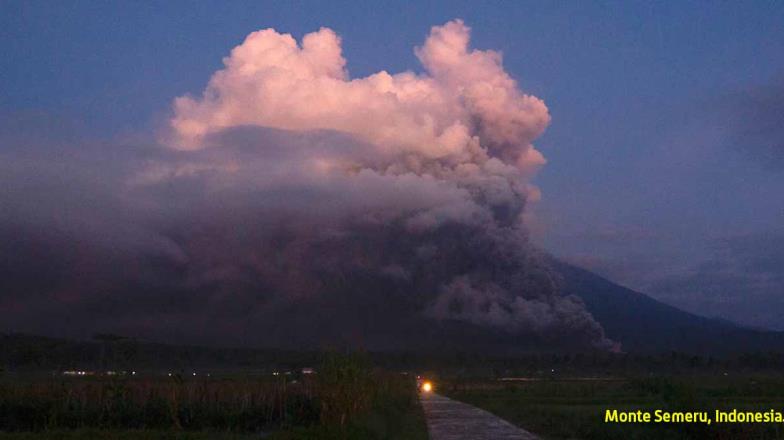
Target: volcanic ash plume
point(295, 205)
point(424, 195)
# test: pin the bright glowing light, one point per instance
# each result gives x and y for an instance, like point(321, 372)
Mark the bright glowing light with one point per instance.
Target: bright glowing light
point(427, 387)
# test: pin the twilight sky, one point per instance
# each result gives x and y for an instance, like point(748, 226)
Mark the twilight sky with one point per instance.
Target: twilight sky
point(665, 151)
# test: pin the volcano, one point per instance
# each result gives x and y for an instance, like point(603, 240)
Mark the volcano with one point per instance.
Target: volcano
point(642, 324)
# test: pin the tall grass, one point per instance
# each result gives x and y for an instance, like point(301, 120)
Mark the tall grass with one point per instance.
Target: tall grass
point(345, 387)
point(358, 402)
point(346, 398)
point(231, 404)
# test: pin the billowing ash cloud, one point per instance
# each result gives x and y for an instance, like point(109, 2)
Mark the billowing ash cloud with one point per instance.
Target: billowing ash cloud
point(465, 110)
point(293, 205)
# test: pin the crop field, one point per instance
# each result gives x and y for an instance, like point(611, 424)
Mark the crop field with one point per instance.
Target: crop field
point(575, 408)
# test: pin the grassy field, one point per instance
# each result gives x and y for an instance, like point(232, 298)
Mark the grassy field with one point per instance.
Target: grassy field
point(118, 434)
point(346, 399)
point(398, 416)
point(567, 409)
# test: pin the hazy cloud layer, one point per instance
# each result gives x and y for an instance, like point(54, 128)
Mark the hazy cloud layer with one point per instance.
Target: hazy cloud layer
point(743, 273)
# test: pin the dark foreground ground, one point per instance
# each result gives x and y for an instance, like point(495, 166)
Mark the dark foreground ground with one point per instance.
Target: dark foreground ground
point(360, 396)
point(94, 434)
point(563, 408)
point(347, 399)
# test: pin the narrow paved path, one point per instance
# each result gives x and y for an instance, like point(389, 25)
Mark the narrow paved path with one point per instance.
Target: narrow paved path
point(449, 419)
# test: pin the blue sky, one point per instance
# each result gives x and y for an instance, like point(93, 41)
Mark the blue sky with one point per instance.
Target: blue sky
point(665, 164)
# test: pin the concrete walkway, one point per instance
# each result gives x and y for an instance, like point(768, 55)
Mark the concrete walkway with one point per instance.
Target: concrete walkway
point(448, 419)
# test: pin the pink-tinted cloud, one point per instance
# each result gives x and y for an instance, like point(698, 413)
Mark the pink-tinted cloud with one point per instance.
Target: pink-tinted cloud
point(464, 109)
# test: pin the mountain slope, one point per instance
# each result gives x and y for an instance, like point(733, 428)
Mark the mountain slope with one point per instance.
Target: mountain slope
point(389, 322)
point(642, 324)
